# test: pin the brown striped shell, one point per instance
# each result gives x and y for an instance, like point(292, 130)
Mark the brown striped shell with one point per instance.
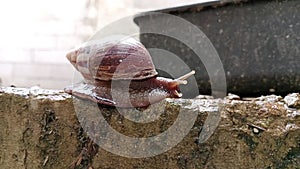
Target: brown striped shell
point(127, 59)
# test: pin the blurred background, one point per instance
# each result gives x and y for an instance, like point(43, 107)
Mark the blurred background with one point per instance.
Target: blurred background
point(36, 35)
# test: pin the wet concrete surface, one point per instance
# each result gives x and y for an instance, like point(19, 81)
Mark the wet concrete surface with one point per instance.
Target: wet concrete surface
point(45, 129)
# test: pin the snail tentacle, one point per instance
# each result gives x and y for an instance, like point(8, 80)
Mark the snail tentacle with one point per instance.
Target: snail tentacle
point(182, 79)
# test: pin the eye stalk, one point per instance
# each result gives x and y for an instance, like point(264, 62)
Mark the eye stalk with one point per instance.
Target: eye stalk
point(173, 85)
point(181, 80)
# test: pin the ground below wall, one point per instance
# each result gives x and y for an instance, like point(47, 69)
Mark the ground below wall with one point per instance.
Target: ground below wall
point(46, 129)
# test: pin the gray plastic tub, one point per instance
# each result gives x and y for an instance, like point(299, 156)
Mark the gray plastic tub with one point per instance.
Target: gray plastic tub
point(258, 43)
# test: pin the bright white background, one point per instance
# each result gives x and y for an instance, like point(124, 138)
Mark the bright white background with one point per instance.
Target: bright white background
point(35, 35)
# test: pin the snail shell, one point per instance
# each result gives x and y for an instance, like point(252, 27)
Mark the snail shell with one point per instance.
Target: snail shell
point(124, 60)
point(121, 74)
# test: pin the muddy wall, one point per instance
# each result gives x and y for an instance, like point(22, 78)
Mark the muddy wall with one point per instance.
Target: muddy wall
point(41, 129)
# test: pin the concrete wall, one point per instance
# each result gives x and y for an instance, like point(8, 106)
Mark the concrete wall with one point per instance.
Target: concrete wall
point(41, 129)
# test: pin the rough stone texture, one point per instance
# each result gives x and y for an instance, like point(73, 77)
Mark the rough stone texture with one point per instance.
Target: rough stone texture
point(40, 129)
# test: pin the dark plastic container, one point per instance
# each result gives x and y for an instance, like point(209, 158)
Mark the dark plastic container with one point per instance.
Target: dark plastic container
point(258, 43)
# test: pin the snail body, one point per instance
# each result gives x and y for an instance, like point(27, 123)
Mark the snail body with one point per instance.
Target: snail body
point(121, 74)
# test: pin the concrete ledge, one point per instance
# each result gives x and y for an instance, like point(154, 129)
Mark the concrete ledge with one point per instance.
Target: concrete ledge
point(40, 129)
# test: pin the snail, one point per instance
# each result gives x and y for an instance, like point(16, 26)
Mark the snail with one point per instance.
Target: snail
point(121, 74)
